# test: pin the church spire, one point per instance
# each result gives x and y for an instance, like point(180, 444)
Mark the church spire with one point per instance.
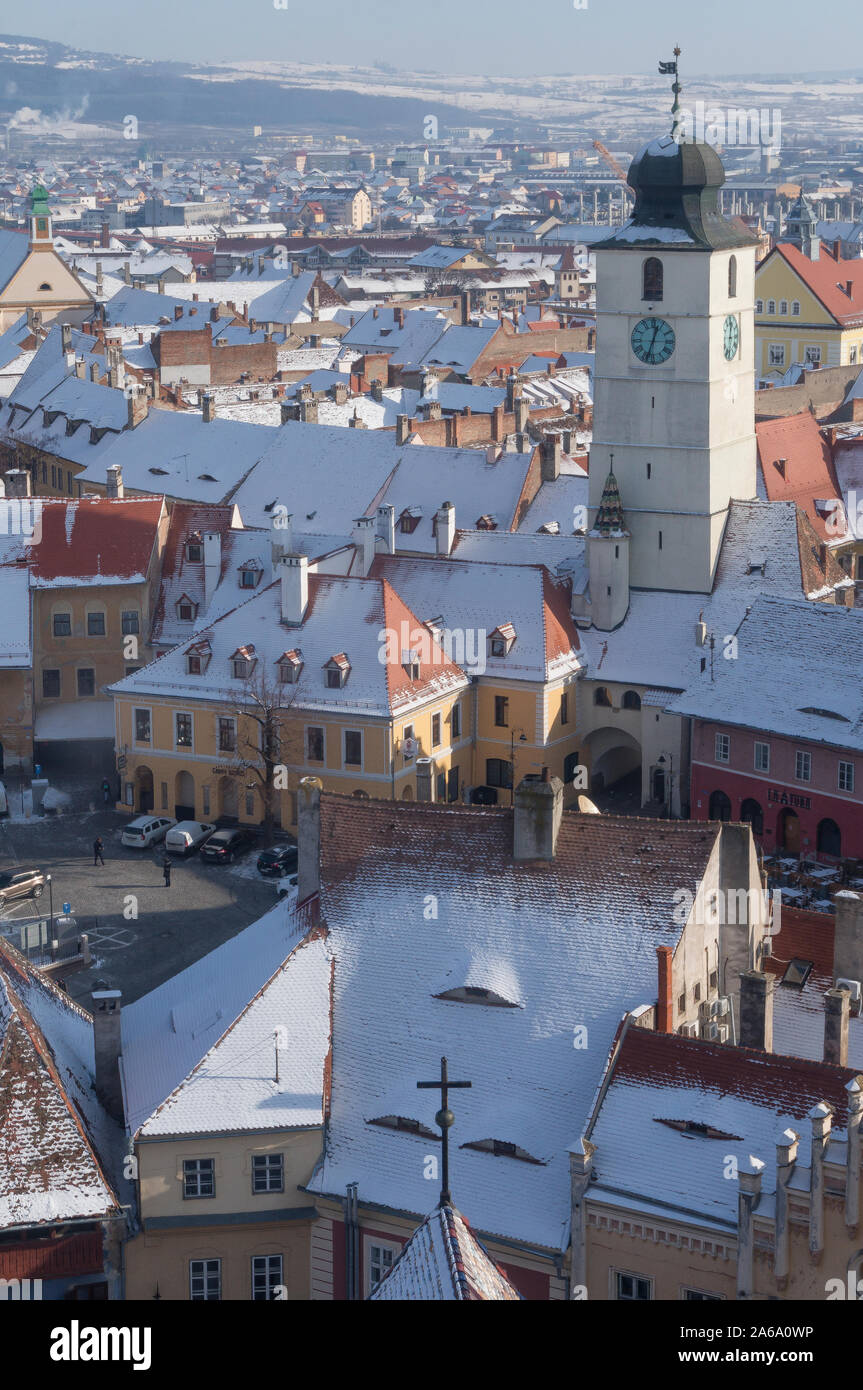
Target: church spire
point(609, 517)
point(41, 233)
point(668, 69)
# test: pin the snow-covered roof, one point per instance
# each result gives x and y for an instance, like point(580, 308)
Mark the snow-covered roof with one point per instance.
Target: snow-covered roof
point(444, 1262)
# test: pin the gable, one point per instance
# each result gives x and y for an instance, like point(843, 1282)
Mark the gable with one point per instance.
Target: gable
point(44, 266)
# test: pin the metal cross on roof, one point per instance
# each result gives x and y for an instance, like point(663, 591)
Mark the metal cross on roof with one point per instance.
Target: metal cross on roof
point(444, 1119)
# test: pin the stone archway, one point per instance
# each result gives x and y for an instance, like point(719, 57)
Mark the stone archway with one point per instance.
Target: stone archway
point(720, 806)
point(614, 755)
point(184, 796)
point(829, 838)
point(751, 812)
point(143, 789)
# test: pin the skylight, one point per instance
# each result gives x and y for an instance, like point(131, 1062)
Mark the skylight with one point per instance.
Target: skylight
point(823, 713)
point(797, 972)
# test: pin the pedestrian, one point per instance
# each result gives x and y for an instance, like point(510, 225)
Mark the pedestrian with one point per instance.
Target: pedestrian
point(166, 870)
point(106, 791)
point(97, 852)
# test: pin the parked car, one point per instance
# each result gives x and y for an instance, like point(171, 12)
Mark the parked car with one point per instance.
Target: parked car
point(187, 836)
point(224, 846)
point(144, 831)
point(286, 887)
point(280, 860)
point(21, 883)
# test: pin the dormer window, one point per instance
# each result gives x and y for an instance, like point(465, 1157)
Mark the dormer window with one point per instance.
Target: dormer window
point(406, 1123)
point(198, 658)
point(474, 994)
point(411, 665)
point(486, 523)
point(337, 670)
point(500, 642)
point(194, 550)
point(502, 1148)
point(250, 575)
point(290, 665)
point(410, 520)
point(187, 609)
point(243, 662)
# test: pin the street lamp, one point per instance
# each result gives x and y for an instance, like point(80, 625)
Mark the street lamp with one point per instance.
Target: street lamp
point(522, 739)
point(50, 900)
point(662, 760)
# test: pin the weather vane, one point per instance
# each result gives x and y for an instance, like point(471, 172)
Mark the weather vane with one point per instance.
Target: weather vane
point(667, 69)
point(444, 1119)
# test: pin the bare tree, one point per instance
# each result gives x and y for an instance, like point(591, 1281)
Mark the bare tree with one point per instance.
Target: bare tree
point(265, 738)
point(441, 281)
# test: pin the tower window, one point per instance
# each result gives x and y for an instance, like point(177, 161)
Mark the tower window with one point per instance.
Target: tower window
point(771, 306)
point(651, 283)
point(45, 286)
point(732, 278)
point(648, 470)
point(660, 540)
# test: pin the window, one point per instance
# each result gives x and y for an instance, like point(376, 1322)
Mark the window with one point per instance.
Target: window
point(759, 306)
point(602, 697)
point(651, 284)
point(564, 707)
point(812, 357)
point(783, 306)
point(455, 721)
point(194, 552)
point(205, 1281)
point(631, 700)
point(314, 745)
point(380, 1262)
point(194, 665)
point(268, 1173)
point(183, 730)
point(248, 579)
point(50, 685)
point(632, 1288)
point(803, 766)
point(142, 726)
point(698, 1296)
point(186, 612)
point(435, 732)
point(795, 307)
point(95, 624)
point(852, 355)
point(62, 624)
point(498, 646)
point(266, 1277)
point(659, 538)
point(722, 748)
point(334, 679)
point(498, 772)
point(771, 306)
point(53, 475)
point(732, 278)
point(250, 802)
point(696, 994)
point(681, 1003)
point(227, 735)
point(846, 777)
point(199, 1177)
point(501, 711)
point(241, 668)
point(130, 622)
point(86, 681)
point(408, 749)
point(797, 972)
point(762, 757)
point(353, 748)
point(776, 355)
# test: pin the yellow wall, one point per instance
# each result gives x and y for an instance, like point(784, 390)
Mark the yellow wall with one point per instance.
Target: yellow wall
point(814, 326)
point(16, 718)
point(103, 654)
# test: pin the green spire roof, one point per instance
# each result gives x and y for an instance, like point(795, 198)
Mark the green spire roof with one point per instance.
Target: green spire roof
point(39, 202)
point(609, 517)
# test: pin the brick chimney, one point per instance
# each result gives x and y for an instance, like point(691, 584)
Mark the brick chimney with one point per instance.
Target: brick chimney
point(522, 414)
point(209, 408)
point(837, 1012)
point(107, 1047)
point(551, 452)
point(309, 842)
point(665, 997)
point(538, 811)
point(756, 1010)
point(402, 428)
point(114, 481)
point(377, 389)
point(178, 312)
point(105, 235)
point(294, 575)
point(848, 936)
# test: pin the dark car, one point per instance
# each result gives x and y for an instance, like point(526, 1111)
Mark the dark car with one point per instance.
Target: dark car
point(21, 883)
point(278, 861)
point(223, 846)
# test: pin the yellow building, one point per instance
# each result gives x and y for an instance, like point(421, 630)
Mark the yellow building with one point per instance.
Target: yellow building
point(808, 309)
point(33, 276)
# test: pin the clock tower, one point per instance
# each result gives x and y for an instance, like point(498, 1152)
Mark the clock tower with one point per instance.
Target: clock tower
point(674, 410)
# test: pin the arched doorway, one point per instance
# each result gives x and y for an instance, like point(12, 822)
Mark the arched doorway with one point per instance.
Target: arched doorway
point(184, 796)
point(751, 812)
point(143, 789)
point(788, 831)
point(408, 793)
point(829, 838)
point(720, 807)
point(614, 758)
point(229, 798)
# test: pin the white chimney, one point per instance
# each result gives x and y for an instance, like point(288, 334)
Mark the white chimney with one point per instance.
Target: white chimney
point(387, 527)
point(114, 481)
point(212, 564)
point(295, 589)
point(445, 529)
point(364, 537)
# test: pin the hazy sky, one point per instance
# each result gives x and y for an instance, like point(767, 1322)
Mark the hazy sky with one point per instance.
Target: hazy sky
point(543, 36)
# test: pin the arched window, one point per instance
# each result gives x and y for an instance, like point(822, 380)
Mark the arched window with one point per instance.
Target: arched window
point(783, 306)
point(771, 306)
point(795, 306)
point(829, 838)
point(720, 807)
point(732, 278)
point(651, 287)
point(45, 286)
point(752, 814)
point(632, 700)
point(601, 696)
point(759, 306)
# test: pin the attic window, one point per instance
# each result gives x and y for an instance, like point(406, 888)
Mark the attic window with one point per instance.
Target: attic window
point(198, 658)
point(411, 665)
point(249, 576)
point(206, 478)
point(502, 1148)
point(338, 668)
point(698, 1129)
point(290, 666)
point(486, 523)
point(409, 520)
point(797, 972)
point(473, 994)
point(194, 551)
point(45, 285)
point(501, 641)
point(756, 564)
point(187, 609)
point(243, 662)
point(160, 472)
point(406, 1124)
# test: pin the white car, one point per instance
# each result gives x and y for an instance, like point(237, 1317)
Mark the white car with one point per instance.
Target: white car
point(144, 831)
point(186, 836)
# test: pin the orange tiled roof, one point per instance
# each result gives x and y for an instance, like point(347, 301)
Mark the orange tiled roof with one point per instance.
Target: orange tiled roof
point(827, 278)
point(809, 475)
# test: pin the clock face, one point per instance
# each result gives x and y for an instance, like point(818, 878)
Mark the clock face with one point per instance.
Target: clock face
point(652, 341)
point(731, 337)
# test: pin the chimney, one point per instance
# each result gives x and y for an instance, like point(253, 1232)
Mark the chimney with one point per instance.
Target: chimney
point(513, 391)
point(664, 1000)
point(537, 817)
point(848, 936)
point(294, 574)
point(356, 422)
point(80, 368)
point(434, 410)
point(315, 303)
point(377, 389)
point(209, 411)
point(66, 337)
point(445, 530)
point(212, 564)
point(94, 371)
point(214, 314)
point(748, 1195)
point(364, 536)
point(399, 316)
point(127, 274)
point(114, 481)
point(756, 1010)
point(287, 411)
point(522, 412)
point(402, 428)
point(551, 451)
point(837, 1011)
point(309, 412)
point(105, 235)
point(424, 779)
point(340, 393)
point(162, 286)
point(106, 1048)
point(19, 482)
point(178, 312)
point(497, 430)
point(309, 841)
point(387, 527)
point(568, 440)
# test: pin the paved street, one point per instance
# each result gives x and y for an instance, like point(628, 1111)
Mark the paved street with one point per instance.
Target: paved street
point(204, 906)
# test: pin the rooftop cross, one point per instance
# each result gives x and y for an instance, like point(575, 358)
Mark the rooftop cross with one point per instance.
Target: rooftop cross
point(444, 1119)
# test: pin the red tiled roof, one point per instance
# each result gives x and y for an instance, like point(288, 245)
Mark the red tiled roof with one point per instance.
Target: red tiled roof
point(805, 936)
point(827, 279)
point(399, 683)
point(809, 474)
point(96, 538)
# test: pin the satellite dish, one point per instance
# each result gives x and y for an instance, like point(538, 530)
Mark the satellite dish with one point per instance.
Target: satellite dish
point(587, 807)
